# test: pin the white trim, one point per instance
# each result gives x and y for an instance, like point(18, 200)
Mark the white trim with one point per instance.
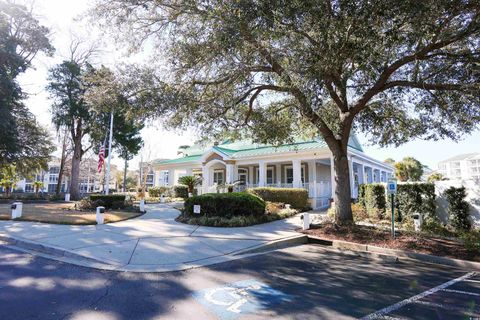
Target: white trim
point(212, 151)
point(374, 162)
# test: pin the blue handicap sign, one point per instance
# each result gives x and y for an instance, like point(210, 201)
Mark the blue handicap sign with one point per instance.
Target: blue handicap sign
point(240, 298)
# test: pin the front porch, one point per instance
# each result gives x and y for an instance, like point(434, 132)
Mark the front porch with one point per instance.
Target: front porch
point(312, 171)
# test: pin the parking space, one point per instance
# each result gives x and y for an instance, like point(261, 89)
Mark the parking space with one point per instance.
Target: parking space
point(455, 299)
point(303, 282)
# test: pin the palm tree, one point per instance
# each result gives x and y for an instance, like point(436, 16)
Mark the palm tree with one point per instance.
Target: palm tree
point(37, 185)
point(190, 181)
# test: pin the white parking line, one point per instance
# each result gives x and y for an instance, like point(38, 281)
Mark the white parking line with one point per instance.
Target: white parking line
point(462, 292)
point(383, 312)
point(471, 280)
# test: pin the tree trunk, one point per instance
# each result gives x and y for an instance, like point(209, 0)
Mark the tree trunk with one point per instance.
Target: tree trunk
point(342, 195)
point(76, 159)
point(62, 164)
point(125, 175)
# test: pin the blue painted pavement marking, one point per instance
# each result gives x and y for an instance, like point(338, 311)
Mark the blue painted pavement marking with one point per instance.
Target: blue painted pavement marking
point(240, 298)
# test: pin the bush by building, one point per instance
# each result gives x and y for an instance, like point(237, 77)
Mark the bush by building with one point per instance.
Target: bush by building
point(226, 205)
point(372, 198)
point(111, 201)
point(180, 191)
point(416, 198)
point(410, 198)
point(297, 198)
point(458, 208)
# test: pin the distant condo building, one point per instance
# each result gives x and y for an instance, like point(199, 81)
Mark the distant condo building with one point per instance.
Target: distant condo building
point(461, 167)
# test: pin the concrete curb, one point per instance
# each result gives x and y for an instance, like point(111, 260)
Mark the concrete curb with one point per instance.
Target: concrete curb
point(66, 256)
point(51, 251)
point(274, 245)
point(398, 254)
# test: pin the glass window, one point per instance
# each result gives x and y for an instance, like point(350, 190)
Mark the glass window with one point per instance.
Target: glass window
point(289, 174)
point(54, 170)
point(52, 188)
point(242, 175)
point(218, 177)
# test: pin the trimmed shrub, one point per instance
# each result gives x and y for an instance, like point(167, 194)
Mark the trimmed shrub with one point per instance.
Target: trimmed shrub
point(180, 191)
point(297, 198)
point(107, 200)
point(372, 198)
point(361, 194)
point(458, 208)
point(156, 192)
point(226, 204)
point(415, 198)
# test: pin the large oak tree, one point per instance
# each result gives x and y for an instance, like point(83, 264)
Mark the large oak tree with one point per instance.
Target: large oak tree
point(23, 141)
point(394, 69)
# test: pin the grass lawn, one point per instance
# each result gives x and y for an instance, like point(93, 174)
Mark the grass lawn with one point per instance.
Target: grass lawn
point(63, 213)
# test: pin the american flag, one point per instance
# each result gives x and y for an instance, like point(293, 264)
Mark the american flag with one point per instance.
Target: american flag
point(101, 158)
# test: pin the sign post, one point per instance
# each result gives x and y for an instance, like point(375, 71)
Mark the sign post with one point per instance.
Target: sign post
point(392, 190)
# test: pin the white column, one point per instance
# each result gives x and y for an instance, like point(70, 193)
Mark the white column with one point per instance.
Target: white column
point(205, 179)
point(297, 173)
point(352, 177)
point(262, 173)
point(312, 178)
point(278, 173)
point(235, 172)
point(171, 177)
point(250, 175)
point(229, 173)
point(360, 173)
point(332, 176)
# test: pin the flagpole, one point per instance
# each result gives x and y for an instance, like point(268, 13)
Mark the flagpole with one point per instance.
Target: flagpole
point(107, 178)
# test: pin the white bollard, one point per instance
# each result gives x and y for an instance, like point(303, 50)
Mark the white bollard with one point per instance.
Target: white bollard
point(67, 197)
point(142, 205)
point(306, 221)
point(162, 199)
point(17, 210)
point(417, 221)
point(100, 215)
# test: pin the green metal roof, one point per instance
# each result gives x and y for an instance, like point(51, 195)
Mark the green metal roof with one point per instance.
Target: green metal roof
point(246, 148)
point(181, 160)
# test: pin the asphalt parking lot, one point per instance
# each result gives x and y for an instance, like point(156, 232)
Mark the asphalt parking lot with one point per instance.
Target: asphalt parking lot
point(304, 282)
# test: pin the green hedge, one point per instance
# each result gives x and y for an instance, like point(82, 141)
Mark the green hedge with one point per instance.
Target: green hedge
point(410, 198)
point(372, 198)
point(180, 191)
point(297, 198)
point(108, 201)
point(226, 204)
point(415, 198)
point(458, 208)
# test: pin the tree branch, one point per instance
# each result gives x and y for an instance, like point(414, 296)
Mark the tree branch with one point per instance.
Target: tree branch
point(427, 86)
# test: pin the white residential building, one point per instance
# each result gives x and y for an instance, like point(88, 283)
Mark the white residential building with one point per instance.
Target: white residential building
point(302, 164)
point(461, 167)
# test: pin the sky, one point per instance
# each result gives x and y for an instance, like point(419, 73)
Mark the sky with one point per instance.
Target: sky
point(64, 19)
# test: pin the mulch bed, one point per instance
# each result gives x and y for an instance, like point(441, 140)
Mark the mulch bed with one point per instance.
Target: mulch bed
point(416, 242)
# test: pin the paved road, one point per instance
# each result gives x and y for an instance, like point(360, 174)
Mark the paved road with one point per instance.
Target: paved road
point(305, 282)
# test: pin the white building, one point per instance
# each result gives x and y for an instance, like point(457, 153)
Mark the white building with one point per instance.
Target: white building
point(461, 167)
point(303, 164)
point(90, 181)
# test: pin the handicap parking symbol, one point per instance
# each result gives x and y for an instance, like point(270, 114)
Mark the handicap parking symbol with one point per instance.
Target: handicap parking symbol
point(240, 298)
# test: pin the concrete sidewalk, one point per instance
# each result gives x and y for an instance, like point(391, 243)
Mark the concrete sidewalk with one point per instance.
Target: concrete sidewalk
point(154, 242)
